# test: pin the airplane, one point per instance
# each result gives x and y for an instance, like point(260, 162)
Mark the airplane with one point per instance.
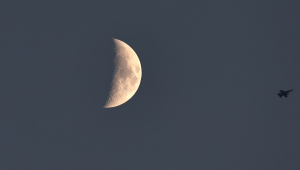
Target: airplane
point(284, 93)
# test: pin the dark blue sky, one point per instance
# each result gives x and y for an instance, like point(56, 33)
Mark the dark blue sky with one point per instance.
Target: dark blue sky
point(207, 100)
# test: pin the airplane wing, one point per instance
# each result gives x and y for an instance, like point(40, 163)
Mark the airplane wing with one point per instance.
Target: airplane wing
point(280, 95)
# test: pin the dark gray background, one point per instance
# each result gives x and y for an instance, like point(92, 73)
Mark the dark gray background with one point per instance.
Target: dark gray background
point(207, 100)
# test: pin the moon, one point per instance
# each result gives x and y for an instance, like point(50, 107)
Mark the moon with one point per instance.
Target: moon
point(127, 75)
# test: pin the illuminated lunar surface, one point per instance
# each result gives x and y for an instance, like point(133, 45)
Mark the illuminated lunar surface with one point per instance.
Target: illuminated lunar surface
point(127, 75)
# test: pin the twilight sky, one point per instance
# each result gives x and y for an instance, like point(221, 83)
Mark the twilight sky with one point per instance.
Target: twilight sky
point(211, 71)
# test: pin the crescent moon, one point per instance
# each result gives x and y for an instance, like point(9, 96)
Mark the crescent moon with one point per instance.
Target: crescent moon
point(127, 75)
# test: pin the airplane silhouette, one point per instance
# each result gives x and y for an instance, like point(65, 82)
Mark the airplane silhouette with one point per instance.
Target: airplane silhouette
point(284, 93)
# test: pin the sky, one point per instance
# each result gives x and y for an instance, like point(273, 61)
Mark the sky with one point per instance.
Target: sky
point(211, 71)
